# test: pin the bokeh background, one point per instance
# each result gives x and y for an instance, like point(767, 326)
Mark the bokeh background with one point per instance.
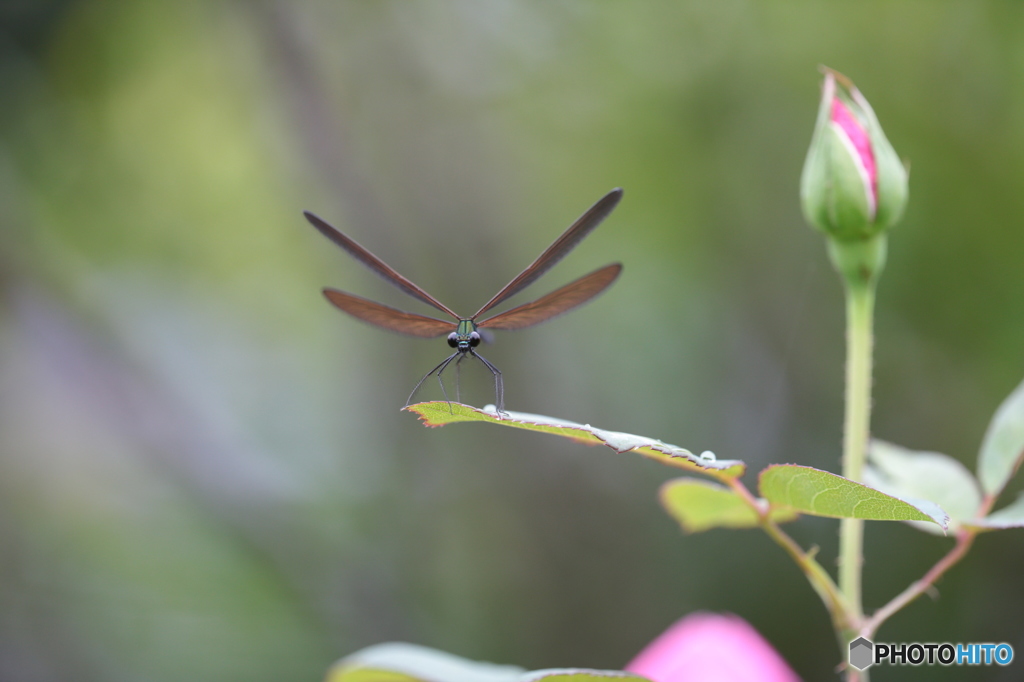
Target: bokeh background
point(204, 472)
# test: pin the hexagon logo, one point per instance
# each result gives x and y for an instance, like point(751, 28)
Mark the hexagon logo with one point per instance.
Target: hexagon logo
point(861, 650)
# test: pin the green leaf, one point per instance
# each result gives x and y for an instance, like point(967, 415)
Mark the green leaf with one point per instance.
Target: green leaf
point(440, 413)
point(1010, 516)
point(1003, 446)
point(580, 675)
point(701, 505)
point(401, 662)
point(820, 493)
point(909, 474)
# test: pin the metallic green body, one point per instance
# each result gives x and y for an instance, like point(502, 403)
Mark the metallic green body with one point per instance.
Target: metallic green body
point(465, 328)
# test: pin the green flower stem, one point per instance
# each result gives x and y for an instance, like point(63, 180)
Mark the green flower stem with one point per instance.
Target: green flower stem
point(860, 263)
point(859, 312)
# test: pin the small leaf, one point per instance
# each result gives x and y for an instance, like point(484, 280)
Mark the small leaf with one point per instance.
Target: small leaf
point(1010, 516)
point(580, 675)
point(401, 662)
point(441, 413)
point(821, 493)
point(701, 505)
point(1003, 445)
point(909, 474)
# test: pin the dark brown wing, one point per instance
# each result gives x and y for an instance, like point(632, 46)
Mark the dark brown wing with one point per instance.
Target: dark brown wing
point(389, 318)
point(557, 302)
point(375, 264)
point(561, 246)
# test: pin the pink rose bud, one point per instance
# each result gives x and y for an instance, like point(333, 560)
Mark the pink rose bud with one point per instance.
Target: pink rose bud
point(709, 647)
point(853, 185)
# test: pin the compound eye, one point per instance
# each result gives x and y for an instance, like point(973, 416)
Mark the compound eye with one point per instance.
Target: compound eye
point(453, 339)
point(474, 339)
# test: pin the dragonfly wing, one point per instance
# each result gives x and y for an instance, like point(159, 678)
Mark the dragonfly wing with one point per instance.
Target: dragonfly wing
point(374, 263)
point(389, 318)
point(557, 302)
point(583, 226)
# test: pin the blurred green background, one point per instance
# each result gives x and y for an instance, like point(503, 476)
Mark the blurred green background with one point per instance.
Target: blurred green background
point(204, 472)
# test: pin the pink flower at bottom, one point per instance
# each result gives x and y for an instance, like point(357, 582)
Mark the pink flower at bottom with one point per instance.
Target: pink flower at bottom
point(710, 647)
